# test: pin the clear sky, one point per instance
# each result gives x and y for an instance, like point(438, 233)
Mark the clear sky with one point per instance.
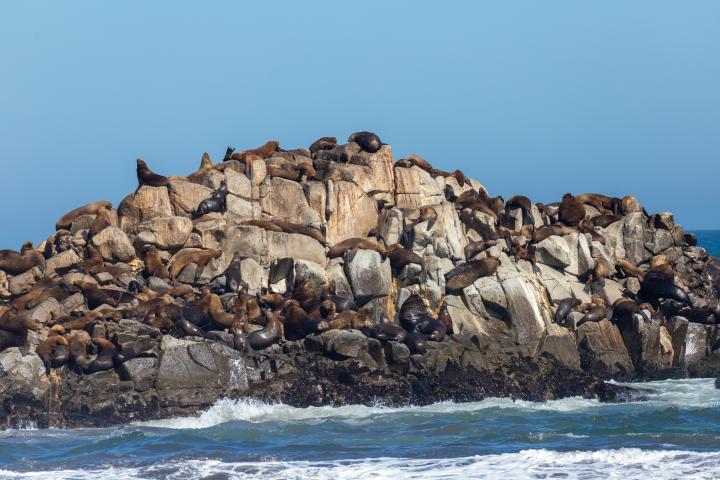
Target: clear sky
point(531, 97)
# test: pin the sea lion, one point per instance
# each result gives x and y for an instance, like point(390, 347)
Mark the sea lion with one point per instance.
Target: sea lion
point(264, 224)
point(189, 328)
point(466, 274)
point(433, 329)
point(273, 301)
point(154, 265)
point(600, 202)
point(270, 334)
point(294, 321)
point(654, 287)
point(605, 220)
point(416, 343)
point(103, 218)
point(185, 257)
point(367, 141)
point(323, 143)
point(106, 357)
point(305, 294)
point(147, 177)
point(96, 296)
point(323, 309)
point(215, 203)
point(415, 161)
point(15, 263)
point(429, 215)
point(353, 244)
point(10, 339)
point(286, 171)
point(218, 313)
point(524, 204)
point(264, 151)
point(459, 176)
point(594, 315)
point(449, 194)
point(445, 318)
point(387, 331)
point(622, 313)
point(53, 352)
point(78, 347)
point(206, 165)
point(629, 269)
point(630, 204)
point(400, 257)
point(413, 312)
point(289, 227)
point(571, 211)
point(586, 226)
point(66, 220)
point(690, 239)
point(349, 319)
point(474, 248)
point(563, 309)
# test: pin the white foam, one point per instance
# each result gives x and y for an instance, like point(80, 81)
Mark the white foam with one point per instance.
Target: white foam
point(625, 463)
point(675, 393)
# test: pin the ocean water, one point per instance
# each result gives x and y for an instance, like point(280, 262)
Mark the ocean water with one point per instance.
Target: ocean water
point(672, 432)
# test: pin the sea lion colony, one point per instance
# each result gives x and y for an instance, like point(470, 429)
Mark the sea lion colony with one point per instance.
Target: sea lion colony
point(172, 257)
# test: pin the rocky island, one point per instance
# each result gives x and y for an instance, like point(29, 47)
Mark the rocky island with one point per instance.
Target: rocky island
point(335, 274)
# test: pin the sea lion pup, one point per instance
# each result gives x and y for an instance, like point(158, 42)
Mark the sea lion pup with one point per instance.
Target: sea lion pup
point(154, 265)
point(427, 214)
point(474, 248)
point(354, 244)
point(215, 203)
point(600, 202)
point(524, 204)
point(564, 307)
point(272, 300)
point(323, 309)
point(106, 357)
point(349, 319)
point(264, 151)
point(185, 257)
point(601, 271)
point(15, 263)
point(386, 331)
point(147, 177)
point(629, 269)
point(269, 335)
point(78, 347)
point(400, 257)
point(53, 352)
point(466, 274)
point(367, 141)
point(206, 165)
point(571, 211)
point(595, 314)
point(66, 220)
point(323, 143)
point(445, 318)
point(103, 218)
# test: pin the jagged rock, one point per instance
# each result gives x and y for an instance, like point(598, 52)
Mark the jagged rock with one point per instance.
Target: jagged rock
point(146, 204)
point(416, 188)
point(22, 376)
point(528, 315)
point(634, 235)
point(20, 284)
point(555, 283)
point(141, 371)
point(553, 251)
point(369, 275)
point(48, 310)
point(336, 274)
point(350, 202)
point(695, 344)
point(602, 349)
point(63, 260)
point(662, 240)
point(114, 245)
point(286, 200)
point(238, 184)
point(186, 196)
point(163, 232)
point(300, 247)
point(390, 225)
point(310, 271)
point(560, 344)
point(581, 260)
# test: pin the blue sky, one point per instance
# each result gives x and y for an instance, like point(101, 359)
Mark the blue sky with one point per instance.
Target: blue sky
point(528, 97)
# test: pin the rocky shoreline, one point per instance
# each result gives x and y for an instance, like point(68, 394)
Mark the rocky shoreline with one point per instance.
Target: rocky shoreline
point(337, 275)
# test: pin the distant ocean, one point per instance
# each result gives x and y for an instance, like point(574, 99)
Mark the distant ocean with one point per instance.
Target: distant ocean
point(674, 433)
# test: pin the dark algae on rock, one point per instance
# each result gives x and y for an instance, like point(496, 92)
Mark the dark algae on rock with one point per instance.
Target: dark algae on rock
point(336, 275)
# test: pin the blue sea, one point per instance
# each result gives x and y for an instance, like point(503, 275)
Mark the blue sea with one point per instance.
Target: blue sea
point(672, 432)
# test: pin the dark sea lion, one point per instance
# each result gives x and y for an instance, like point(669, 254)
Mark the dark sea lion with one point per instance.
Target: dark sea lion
point(445, 318)
point(305, 294)
point(66, 220)
point(466, 274)
point(571, 211)
point(474, 248)
point(15, 263)
point(294, 321)
point(264, 151)
point(323, 143)
point(367, 141)
point(449, 194)
point(14, 322)
point(622, 313)
point(339, 249)
point(416, 343)
point(78, 347)
point(206, 165)
point(273, 301)
point(103, 219)
point(412, 312)
point(594, 315)
point(269, 335)
point(215, 203)
point(653, 288)
point(433, 329)
point(400, 257)
point(600, 202)
point(586, 226)
point(53, 352)
point(459, 176)
point(690, 239)
point(323, 309)
point(387, 331)
point(147, 177)
point(524, 204)
point(106, 357)
point(184, 258)
point(189, 328)
point(605, 220)
point(563, 309)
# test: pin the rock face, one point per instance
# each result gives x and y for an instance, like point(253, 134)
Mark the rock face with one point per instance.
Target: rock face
point(168, 306)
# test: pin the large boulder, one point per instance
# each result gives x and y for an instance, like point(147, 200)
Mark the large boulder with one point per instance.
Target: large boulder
point(553, 251)
point(415, 188)
point(114, 245)
point(369, 275)
point(602, 350)
point(145, 204)
point(186, 196)
point(285, 200)
point(352, 212)
point(528, 311)
point(163, 232)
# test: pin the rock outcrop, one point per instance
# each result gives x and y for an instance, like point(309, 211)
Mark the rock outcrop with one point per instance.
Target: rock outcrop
point(319, 276)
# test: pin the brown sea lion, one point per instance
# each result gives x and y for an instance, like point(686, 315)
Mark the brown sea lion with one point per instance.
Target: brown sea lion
point(601, 270)
point(15, 263)
point(264, 151)
point(465, 274)
point(78, 347)
point(387, 331)
point(218, 313)
point(283, 171)
point(10, 339)
point(415, 161)
point(53, 352)
point(605, 220)
point(350, 319)
point(339, 249)
point(474, 248)
point(459, 176)
point(206, 165)
point(305, 293)
point(367, 141)
point(542, 233)
point(524, 204)
point(147, 177)
point(289, 227)
point(323, 143)
point(564, 307)
point(66, 220)
point(629, 269)
point(106, 357)
point(400, 257)
point(103, 218)
point(14, 322)
point(323, 309)
point(445, 318)
point(264, 224)
point(427, 214)
point(631, 204)
point(185, 257)
point(600, 202)
point(595, 314)
point(571, 211)
point(273, 301)
point(154, 265)
point(269, 335)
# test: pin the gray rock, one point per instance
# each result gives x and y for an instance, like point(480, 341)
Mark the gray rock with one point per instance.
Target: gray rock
point(63, 260)
point(163, 232)
point(528, 316)
point(602, 349)
point(20, 284)
point(553, 251)
point(114, 245)
point(662, 240)
point(141, 371)
point(369, 275)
